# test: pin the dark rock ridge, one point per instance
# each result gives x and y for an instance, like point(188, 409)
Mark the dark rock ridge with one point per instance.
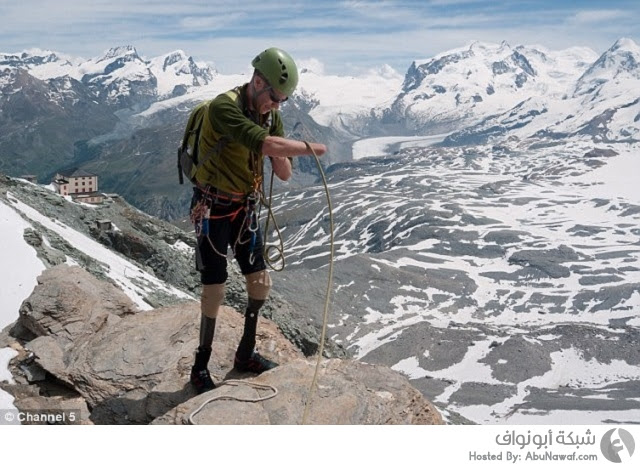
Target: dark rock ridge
point(155, 245)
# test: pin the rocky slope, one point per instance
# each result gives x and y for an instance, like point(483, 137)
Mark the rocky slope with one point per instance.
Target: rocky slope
point(161, 250)
point(500, 279)
point(84, 345)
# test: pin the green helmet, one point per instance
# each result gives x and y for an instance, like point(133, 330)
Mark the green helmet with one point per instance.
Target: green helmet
point(278, 68)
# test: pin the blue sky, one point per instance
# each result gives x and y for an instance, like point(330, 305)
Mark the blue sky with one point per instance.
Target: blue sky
point(347, 37)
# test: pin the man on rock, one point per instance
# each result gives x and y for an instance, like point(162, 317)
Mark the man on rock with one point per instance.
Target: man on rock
point(243, 126)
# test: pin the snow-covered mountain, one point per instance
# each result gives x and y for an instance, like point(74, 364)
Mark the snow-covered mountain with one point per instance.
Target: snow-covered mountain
point(466, 85)
point(176, 72)
point(603, 104)
point(117, 75)
point(499, 270)
point(58, 111)
point(616, 66)
point(347, 103)
point(448, 92)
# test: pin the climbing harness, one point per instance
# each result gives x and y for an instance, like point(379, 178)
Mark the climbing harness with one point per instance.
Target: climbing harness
point(201, 216)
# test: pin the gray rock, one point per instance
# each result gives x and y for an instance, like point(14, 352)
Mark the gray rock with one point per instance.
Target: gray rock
point(136, 368)
point(69, 298)
point(547, 263)
point(524, 360)
point(48, 256)
point(631, 210)
point(581, 230)
point(504, 237)
point(445, 346)
point(607, 297)
point(551, 303)
point(580, 399)
point(482, 393)
point(601, 344)
point(348, 392)
point(33, 372)
point(601, 279)
point(600, 153)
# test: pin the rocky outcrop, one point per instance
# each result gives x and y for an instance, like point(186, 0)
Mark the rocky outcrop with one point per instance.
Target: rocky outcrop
point(133, 367)
point(70, 304)
point(348, 392)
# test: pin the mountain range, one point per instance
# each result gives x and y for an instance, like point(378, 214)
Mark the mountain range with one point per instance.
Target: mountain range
point(485, 211)
point(121, 115)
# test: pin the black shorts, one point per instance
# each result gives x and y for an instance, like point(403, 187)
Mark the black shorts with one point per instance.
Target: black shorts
point(226, 229)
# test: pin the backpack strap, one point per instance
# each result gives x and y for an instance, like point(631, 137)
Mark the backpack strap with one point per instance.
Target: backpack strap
point(234, 94)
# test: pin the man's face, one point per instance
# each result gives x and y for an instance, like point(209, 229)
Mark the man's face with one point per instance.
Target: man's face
point(268, 98)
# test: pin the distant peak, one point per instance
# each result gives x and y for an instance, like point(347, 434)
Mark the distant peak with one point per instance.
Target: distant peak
point(177, 53)
point(119, 51)
point(37, 52)
point(475, 45)
point(625, 43)
point(487, 47)
point(174, 57)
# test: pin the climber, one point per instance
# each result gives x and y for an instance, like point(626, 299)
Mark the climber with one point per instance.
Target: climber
point(228, 188)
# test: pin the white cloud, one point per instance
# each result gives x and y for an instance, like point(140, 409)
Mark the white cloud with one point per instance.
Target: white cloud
point(345, 36)
point(312, 64)
point(208, 23)
point(597, 16)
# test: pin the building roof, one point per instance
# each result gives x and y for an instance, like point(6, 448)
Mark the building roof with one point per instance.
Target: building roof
point(75, 173)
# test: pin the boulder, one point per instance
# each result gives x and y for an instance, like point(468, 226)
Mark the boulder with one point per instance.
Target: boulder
point(69, 297)
point(129, 367)
point(133, 367)
point(348, 393)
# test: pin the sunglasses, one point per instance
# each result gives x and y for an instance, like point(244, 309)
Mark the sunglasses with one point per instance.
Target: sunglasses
point(274, 98)
point(272, 95)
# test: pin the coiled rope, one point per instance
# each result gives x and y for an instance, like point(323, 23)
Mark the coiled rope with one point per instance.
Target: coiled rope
point(272, 253)
point(235, 382)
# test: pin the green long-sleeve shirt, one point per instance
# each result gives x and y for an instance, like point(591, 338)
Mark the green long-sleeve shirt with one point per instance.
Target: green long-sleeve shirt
point(232, 170)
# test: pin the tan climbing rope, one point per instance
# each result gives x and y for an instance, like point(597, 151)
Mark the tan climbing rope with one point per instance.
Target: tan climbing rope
point(327, 301)
point(235, 382)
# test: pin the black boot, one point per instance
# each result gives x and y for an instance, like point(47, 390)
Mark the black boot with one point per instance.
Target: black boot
point(256, 363)
point(246, 358)
point(200, 375)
